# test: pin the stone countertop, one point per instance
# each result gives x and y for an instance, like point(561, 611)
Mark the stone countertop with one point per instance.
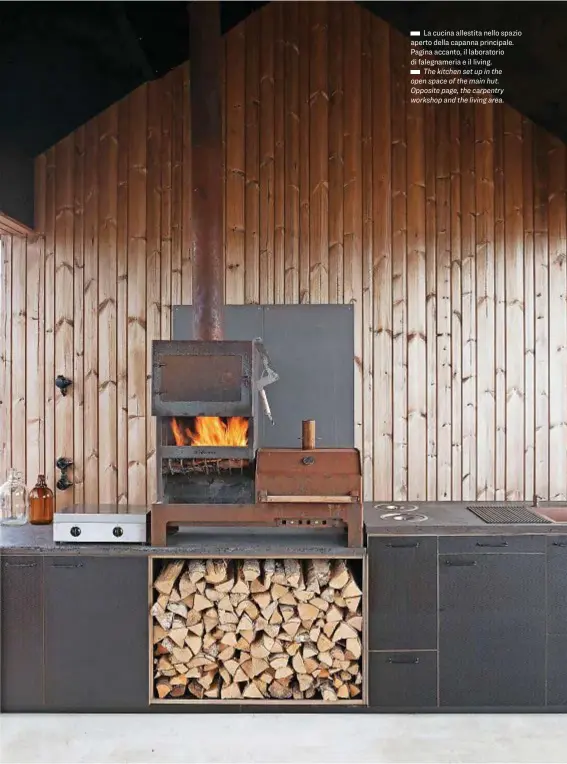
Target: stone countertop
point(443, 519)
point(452, 518)
point(200, 542)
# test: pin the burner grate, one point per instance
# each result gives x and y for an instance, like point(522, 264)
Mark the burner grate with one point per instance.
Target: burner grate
point(506, 514)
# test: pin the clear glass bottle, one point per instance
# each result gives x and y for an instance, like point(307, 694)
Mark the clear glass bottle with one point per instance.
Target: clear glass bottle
point(41, 503)
point(13, 500)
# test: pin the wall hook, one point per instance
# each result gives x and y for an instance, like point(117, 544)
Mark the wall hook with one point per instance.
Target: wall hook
point(63, 464)
point(63, 383)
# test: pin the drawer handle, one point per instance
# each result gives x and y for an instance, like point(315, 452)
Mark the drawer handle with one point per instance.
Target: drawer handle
point(410, 659)
point(20, 564)
point(408, 545)
point(67, 565)
point(559, 543)
point(496, 545)
point(460, 563)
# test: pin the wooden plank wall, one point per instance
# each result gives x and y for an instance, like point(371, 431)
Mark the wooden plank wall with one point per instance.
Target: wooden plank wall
point(445, 227)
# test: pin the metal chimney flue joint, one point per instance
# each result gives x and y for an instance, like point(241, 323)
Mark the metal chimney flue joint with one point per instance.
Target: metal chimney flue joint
point(206, 169)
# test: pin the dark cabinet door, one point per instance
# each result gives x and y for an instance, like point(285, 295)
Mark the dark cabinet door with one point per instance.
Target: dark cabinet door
point(557, 585)
point(96, 633)
point(402, 593)
point(403, 680)
point(21, 621)
point(557, 670)
point(492, 630)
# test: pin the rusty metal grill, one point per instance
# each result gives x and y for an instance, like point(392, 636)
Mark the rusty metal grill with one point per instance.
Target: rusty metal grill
point(204, 466)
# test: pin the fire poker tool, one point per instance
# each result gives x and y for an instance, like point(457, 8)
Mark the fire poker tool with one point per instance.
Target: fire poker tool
point(267, 377)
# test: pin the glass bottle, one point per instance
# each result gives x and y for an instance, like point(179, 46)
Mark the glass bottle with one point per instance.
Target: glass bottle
point(13, 500)
point(41, 503)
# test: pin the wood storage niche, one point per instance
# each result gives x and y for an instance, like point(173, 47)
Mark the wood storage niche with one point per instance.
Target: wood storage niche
point(257, 630)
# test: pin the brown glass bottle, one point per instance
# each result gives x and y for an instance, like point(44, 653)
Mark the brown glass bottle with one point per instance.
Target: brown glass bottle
point(41, 503)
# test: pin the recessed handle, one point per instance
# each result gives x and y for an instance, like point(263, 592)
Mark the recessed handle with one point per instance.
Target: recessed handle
point(559, 543)
point(407, 659)
point(495, 545)
point(67, 565)
point(20, 564)
point(405, 545)
point(460, 563)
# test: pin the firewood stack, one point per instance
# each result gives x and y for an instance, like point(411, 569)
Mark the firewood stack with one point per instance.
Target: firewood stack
point(257, 629)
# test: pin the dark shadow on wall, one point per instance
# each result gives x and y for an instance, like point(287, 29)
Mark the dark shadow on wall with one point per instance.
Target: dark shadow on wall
point(16, 184)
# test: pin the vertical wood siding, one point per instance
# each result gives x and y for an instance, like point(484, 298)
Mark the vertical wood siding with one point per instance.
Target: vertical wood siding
point(444, 227)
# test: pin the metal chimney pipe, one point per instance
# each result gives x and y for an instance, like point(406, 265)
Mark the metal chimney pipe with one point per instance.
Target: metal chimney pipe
point(206, 169)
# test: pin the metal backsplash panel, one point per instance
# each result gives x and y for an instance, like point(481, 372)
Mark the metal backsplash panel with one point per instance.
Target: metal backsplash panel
point(311, 347)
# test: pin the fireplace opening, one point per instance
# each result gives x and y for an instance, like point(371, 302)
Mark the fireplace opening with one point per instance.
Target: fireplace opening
point(207, 481)
point(206, 431)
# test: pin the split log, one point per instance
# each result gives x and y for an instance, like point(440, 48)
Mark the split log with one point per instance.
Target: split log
point(186, 585)
point(163, 601)
point(353, 648)
point(344, 631)
point(164, 619)
point(353, 604)
point(307, 611)
point(252, 691)
point(165, 582)
point(340, 575)
point(251, 570)
point(257, 629)
point(231, 692)
point(201, 603)
point(215, 571)
point(293, 573)
point(163, 687)
point(279, 690)
point(178, 608)
point(178, 636)
point(318, 575)
point(278, 576)
point(269, 570)
point(213, 691)
point(196, 570)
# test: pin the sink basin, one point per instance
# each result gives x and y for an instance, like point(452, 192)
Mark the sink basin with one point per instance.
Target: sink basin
point(555, 514)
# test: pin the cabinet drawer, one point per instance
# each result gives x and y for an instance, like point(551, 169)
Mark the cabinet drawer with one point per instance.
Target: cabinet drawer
point(491, 544)
point(403, 680)
point(557, 670)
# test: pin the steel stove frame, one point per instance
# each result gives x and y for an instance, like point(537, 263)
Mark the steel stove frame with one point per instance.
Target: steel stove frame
point(192, 378)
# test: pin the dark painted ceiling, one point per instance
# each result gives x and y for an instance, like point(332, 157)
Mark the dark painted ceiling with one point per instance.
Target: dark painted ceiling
point(63, 62)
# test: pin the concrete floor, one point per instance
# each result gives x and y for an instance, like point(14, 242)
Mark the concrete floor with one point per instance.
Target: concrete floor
point(301, 739)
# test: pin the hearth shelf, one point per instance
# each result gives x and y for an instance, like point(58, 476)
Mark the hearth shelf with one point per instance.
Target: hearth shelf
point(257, 630)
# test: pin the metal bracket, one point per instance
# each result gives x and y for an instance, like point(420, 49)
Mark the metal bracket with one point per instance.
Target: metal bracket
point(63, 464)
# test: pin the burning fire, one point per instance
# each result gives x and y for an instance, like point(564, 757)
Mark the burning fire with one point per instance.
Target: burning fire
point(212, 431)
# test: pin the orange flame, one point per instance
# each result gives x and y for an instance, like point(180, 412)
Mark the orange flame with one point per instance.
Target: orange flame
point(212, 431)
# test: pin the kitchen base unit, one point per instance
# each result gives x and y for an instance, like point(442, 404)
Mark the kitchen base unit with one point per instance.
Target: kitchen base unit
point(438, 616)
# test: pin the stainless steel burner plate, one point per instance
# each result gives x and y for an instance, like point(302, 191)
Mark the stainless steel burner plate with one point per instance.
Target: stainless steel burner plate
point(397, 508)
point(397, 517)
